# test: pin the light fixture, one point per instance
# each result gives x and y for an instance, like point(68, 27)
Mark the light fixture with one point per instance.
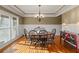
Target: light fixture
point(64, 24)
point(39, 16)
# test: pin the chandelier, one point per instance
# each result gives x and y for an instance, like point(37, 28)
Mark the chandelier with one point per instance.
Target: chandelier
point(39, 16)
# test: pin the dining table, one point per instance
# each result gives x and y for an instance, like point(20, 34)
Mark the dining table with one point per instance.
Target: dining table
point(42, 37)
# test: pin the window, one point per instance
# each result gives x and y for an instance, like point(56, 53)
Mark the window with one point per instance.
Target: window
point(14, 27)
point(4, 21)
point(4, 28)
point(8, 28)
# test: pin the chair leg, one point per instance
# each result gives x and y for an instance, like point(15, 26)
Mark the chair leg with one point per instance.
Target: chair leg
point(53, 42)
point(35, 45)
point(31, 43)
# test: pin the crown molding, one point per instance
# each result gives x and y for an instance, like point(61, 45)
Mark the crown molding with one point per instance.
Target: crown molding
point(43, 14)
point(18, 11)
point(13, 9)
point(65, 9)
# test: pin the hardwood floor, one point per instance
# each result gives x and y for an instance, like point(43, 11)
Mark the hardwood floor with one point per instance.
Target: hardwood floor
point(19, 46)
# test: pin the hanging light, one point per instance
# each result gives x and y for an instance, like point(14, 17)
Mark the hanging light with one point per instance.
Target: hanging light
point(39, 16)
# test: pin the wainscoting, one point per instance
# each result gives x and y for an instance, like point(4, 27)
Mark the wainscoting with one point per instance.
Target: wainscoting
point(49, 27)
point(71, 27)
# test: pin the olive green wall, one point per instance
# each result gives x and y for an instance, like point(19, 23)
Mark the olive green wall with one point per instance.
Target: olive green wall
point(71, 17)
point(46, 20)
point(21, 20)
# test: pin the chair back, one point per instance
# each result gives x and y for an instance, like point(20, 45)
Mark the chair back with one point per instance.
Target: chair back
point(53, 33)
point(25, 33)
point(32, 32)
point(43, 32)
point(38, 29)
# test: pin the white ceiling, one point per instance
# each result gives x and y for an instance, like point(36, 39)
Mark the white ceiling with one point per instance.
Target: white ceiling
point(32, 10)
point(43, 8)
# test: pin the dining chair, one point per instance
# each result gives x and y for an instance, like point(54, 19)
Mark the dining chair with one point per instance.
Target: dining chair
point(51, 37)
point(32, 37)
point(62, 36)
point(53, 32)
point(43, 32)
point(43, 37)
point(25, 34)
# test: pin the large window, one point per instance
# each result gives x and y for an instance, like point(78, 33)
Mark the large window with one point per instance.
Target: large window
point(14, 27)
point(8, 28)
point(4, 28)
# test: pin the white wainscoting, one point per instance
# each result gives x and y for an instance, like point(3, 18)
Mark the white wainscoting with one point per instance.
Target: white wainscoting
point(71, 27)
point(20, 29)
point(47, 27)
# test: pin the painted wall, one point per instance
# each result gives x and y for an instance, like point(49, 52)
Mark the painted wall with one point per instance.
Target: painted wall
point(70, 20)
point(46, 20)
point(20, 26)
point(48, 23)
point(30, 22)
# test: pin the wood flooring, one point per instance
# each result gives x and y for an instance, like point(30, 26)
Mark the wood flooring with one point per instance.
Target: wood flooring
point(19, 46)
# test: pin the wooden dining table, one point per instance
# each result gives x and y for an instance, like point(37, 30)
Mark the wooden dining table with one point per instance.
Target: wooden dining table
point(39, 35)
point(42, 37)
